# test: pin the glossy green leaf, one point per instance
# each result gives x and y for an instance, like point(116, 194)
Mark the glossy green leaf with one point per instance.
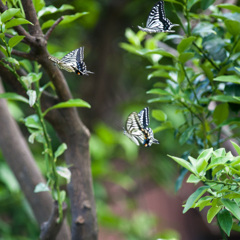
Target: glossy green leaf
point(232, 207)
point(159, 115)
point(158, 91)
point(194, 197)
point(32, 121)
point(51, 9)
point(229, 78)
point(193, 179)
point(159, 51)
point(61, 149)
point(225, 98)
point(232, 26)
point(67, 19)
point(203, 202)
point(166, 99)
point(15, 40)
point(132, 37)
point(225, 221)
point(183, 163)
point(206, 3)
point(185, 56)
point(217, 161)
point(34, 135)
point(8, 14)
point(190, 3)
point(41, 187)
point(185, 44)
point(230, 7)
point(220, 113)
point(3, 50)
point(17, 21)
point(14, 96)
point(62, 196)
point(38, 4)
point(32, 97)
point(202, 160)
point(212, 212)
point(186, 134)
point(237, 148)
point(64, 172)
point(158, 73)
point(68, 104)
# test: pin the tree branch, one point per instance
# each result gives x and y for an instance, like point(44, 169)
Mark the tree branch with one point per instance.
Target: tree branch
point(23, 55)
point(14, 146)
point(50, 229)
point(47, 35)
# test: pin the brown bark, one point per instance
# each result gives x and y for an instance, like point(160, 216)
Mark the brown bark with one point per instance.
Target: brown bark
point(19, 158)
point(70, 130)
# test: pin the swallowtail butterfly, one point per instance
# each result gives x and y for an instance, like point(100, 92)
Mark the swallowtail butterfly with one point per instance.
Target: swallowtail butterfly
point(157, 21)
point(72, 62)
point(137, 130)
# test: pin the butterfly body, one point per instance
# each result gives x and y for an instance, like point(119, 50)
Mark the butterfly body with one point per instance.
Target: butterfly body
point(72, 62)
point(157, 21)
point(136, 128)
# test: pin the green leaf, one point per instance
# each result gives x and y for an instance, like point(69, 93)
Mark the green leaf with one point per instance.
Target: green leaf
point(62, 196)
point(34, 135)
point(193, 179)
point(202, 160)
point(68, 104)
point(3, 50)
point(203, 202)
point(230, 7)
point(212, 212)
point(225, 98)
point(185, 44)
point(11, 60)
point(166, 99)
point(206, 3)
point(165, 125)
point(15, 40)
point(158, 91)
point(41, 187)
point(220, 113)
point(67, 19)
point(61, 149)
point(232, 207)
point(159, 51)
point(190, 3)
point(17, 21)
point(225, 221)
point(132, 37)
point(2, 35)
point(232, 26)
point(32, 121)
point(14, 96)
point(194, 197)
point(8, 14)
point(159, 73)
point(184, 57)
point(51, 9)
point(38, 4)
point(64, 172)
point(217, 161)
point(183, 163)
point(186, 134)
point(32, 97)
point(237, 148)
point(207, 71)
point(159, 115)
point(229, 78)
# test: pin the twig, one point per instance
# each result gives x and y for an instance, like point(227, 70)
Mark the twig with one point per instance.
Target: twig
point(23, 55)
point(50, 229)
point(47, 35)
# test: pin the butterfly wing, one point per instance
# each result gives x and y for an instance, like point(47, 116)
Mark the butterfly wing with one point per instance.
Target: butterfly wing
point(133, 128)
point(151, 139)
point(144, 117)
point(61, 64)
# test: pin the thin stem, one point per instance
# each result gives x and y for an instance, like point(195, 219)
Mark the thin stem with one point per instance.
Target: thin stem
point(47, 35)
point(209, 59)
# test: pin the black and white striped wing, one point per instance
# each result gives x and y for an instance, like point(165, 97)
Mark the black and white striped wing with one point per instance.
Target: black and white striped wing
point(62, 65)
point(71, 58)
point(157, 21)
point(133, 129)
point(151, 138)
point(144, 117)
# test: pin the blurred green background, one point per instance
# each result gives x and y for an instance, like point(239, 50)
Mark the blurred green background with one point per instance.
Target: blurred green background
point(134, 186)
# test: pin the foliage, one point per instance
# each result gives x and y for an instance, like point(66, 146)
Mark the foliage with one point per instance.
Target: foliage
point(204, 70)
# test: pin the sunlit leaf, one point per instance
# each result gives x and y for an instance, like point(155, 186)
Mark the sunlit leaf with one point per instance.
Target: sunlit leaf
point(38, 4)
point(32, 97)
point(212, 212)
point(14, 96)
point(185, 44)
point(183, 163)
point(232, 207)
point(17, 21)
point(41, 187)
point(15, 40)
point(68, 104)
point(64, 172)
point(61, 149)
point(51, 9)
point(230, 7)
point(8, 14)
